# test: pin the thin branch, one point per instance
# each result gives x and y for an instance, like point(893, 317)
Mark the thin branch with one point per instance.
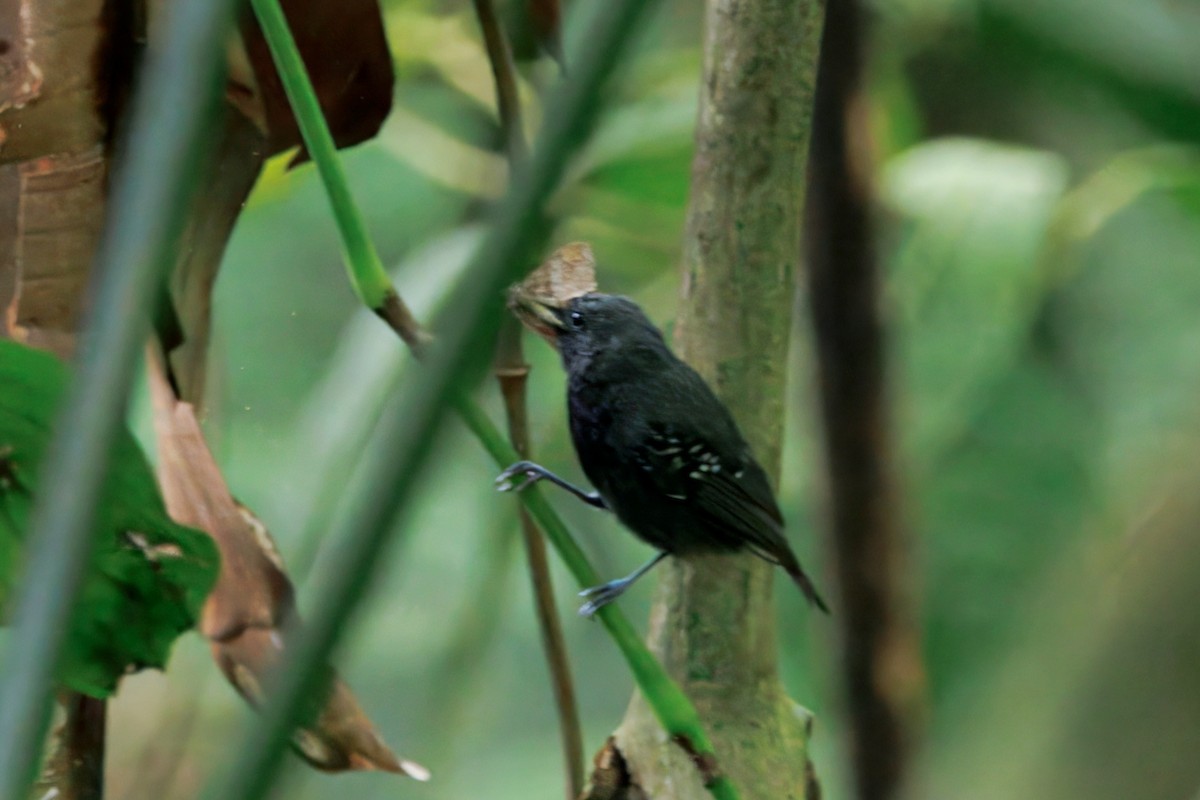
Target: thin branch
point(169, 137)
point(508, 101)
point(881, 664)
point(512, 373)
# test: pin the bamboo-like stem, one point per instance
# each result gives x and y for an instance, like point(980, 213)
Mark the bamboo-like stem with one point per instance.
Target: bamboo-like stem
point(512, 373)
point(881, 667)
point(169, 136)
point(406, 437)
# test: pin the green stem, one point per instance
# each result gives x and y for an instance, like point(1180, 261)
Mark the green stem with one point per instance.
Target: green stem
point(566, 124)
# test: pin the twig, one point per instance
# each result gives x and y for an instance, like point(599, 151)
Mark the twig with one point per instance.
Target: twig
point(169, 136)
point(75, 767)
point(884, 676)
point(508, 102)
point(512, 374)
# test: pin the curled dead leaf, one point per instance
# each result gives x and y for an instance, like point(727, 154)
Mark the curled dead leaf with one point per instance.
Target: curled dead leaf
point(250, 612)
point(342, 737)
point(251, 590)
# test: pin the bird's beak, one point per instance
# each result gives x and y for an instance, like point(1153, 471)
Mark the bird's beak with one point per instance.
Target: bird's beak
point(541, 315)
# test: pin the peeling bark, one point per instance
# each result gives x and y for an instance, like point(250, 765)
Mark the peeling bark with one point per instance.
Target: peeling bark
point(610, 776)
point(53, 159)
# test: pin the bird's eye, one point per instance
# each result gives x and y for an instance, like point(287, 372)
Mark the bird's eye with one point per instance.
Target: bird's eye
point(576, 319)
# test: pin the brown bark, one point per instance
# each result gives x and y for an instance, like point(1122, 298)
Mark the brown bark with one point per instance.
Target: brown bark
point(63, 69)
point(57, 87)
point(713, 619)
point(74, 768)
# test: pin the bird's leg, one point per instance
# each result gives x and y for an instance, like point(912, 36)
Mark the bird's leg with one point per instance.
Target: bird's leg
point(605, 593)
point(531, 473)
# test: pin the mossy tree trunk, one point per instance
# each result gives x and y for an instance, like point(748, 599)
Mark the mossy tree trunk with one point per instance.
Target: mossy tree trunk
point(713, 621)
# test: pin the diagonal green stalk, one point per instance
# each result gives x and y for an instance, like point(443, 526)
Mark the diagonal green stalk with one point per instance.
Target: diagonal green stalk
point(570, 116)
point(363, 265)
point(169, 137)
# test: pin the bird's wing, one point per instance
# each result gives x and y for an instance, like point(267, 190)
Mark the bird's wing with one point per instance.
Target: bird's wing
point(726, 495)
point(722, 485)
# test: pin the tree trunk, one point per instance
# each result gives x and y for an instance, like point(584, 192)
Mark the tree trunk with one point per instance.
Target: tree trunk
point(64, 68)
point(880, 665)
point(713, 621)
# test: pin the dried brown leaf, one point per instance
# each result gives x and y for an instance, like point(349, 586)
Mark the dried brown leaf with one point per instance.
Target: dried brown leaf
point(251, 590)
point(237, 162)
point(251, 609)
point(341, 739)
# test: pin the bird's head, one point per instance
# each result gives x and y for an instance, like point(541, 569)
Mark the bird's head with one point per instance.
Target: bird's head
point(586, 326)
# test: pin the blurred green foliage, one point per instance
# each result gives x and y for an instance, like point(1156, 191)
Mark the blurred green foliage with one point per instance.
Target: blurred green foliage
point(149, 576)
point(1039, 220)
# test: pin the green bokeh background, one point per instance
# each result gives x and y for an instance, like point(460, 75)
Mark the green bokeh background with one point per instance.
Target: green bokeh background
point(1039, 223)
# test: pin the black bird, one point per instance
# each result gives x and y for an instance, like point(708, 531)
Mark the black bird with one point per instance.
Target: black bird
point(662, 451)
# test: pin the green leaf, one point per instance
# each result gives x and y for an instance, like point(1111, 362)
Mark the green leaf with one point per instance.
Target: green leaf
point(968, 278)
point(995, 510)
point(149, 575)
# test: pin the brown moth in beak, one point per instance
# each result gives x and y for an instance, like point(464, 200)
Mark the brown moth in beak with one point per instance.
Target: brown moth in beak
point(539, 300)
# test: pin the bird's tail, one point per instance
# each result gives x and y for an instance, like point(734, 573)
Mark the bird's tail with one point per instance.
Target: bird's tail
point(784, 557)
point(806, 585)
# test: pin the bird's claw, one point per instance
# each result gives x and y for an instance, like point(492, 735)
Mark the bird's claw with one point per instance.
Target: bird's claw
point(525, 470)
point(599, 596)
